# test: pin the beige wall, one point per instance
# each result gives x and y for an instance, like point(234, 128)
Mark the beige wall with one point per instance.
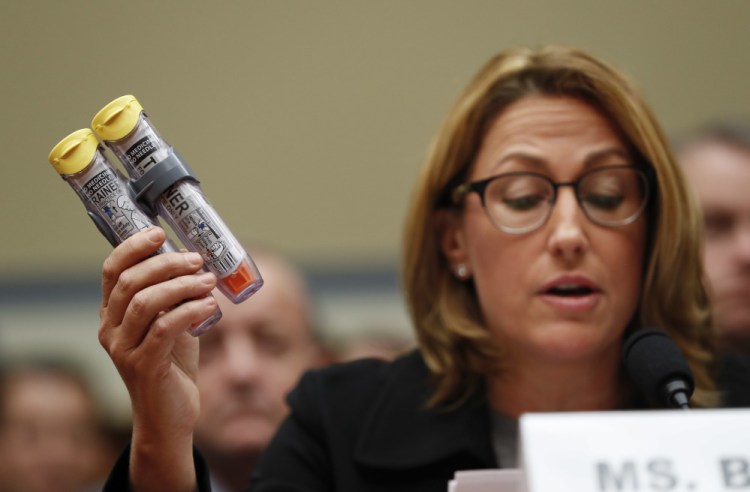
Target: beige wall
point(307, 120)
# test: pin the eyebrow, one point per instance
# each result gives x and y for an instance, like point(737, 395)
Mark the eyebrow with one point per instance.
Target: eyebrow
point(590, 161)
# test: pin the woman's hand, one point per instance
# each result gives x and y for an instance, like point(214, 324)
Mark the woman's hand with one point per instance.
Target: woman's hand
point(148, 305)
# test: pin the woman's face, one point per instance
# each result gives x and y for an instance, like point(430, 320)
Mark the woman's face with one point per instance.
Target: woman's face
point(565, 291)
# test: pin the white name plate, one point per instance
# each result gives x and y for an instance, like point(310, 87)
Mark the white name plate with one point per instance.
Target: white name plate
point(644, 451)
point(507, 480)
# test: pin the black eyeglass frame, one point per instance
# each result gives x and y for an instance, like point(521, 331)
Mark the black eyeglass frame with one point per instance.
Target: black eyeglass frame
point(646, 173)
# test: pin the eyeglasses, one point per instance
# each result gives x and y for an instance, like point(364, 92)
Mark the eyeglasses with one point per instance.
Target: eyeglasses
point(521, 202)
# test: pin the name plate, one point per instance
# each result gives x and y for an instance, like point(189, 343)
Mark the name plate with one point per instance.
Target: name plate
point(508, 480)
point(644, 451)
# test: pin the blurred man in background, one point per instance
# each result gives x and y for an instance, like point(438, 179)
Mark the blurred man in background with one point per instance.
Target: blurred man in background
point(51, 437)
point(248, 363)
point(716, 160)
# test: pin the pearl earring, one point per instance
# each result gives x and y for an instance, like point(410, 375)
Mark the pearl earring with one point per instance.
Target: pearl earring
point(461, 271)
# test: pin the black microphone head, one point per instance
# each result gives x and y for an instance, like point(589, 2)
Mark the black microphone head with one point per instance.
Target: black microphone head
point(654, 363)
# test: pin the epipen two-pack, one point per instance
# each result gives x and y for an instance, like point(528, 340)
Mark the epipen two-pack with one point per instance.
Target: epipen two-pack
point(160, 184)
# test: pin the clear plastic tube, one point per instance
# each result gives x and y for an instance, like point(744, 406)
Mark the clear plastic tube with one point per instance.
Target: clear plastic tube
point(80, 161)
point(128, 132)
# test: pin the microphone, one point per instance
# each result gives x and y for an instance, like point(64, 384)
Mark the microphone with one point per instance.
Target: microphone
point(658, 368)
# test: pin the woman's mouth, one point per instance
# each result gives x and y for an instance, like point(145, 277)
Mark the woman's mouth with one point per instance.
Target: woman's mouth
point(570, 290)
point(573, 295)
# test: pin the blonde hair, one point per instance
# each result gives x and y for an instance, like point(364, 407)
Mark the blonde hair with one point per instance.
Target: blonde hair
point(456, 346)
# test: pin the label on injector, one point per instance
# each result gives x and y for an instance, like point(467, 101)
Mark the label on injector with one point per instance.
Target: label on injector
point(106, 192)
point(143, 149)
point(202, 228)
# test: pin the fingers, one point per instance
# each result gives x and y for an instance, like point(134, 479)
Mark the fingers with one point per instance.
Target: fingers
point(127, 254)
point(137, 286)
point(150, 272)
point(159, 342)
point(151, 358)
point(153, 308)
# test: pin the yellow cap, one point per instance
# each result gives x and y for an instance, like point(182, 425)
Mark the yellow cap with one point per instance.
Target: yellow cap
point(117, 119)
point(74, 152)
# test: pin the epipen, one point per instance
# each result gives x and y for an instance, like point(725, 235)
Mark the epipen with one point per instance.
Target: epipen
point(81, 162)
point(163, 182)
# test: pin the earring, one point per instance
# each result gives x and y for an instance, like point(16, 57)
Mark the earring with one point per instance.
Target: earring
point(461, 271)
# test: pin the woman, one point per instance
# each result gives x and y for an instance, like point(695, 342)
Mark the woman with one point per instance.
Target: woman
point(549, 223)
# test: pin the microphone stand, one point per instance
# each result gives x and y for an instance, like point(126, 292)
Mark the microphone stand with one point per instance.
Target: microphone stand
point(677, 394)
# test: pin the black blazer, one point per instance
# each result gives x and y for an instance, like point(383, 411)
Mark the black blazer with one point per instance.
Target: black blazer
point(364, 427)
point(734, 380)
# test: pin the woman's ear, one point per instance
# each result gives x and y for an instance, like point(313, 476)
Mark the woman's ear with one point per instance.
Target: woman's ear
point(453, 242)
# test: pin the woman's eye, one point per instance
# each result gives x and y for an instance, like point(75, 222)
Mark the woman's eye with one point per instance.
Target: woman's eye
point(604, 202)
point(523, 202)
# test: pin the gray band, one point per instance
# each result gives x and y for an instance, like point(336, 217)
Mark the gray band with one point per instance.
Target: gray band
point(149, 187)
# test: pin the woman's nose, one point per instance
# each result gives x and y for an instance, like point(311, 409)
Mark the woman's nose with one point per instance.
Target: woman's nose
point(566, 224)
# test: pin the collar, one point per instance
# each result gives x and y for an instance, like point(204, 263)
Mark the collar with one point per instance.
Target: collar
point(401, 432)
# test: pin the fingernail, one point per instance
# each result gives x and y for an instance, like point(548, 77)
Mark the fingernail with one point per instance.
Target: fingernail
point(154, 234)
point(207, 278)
point(194, 258)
